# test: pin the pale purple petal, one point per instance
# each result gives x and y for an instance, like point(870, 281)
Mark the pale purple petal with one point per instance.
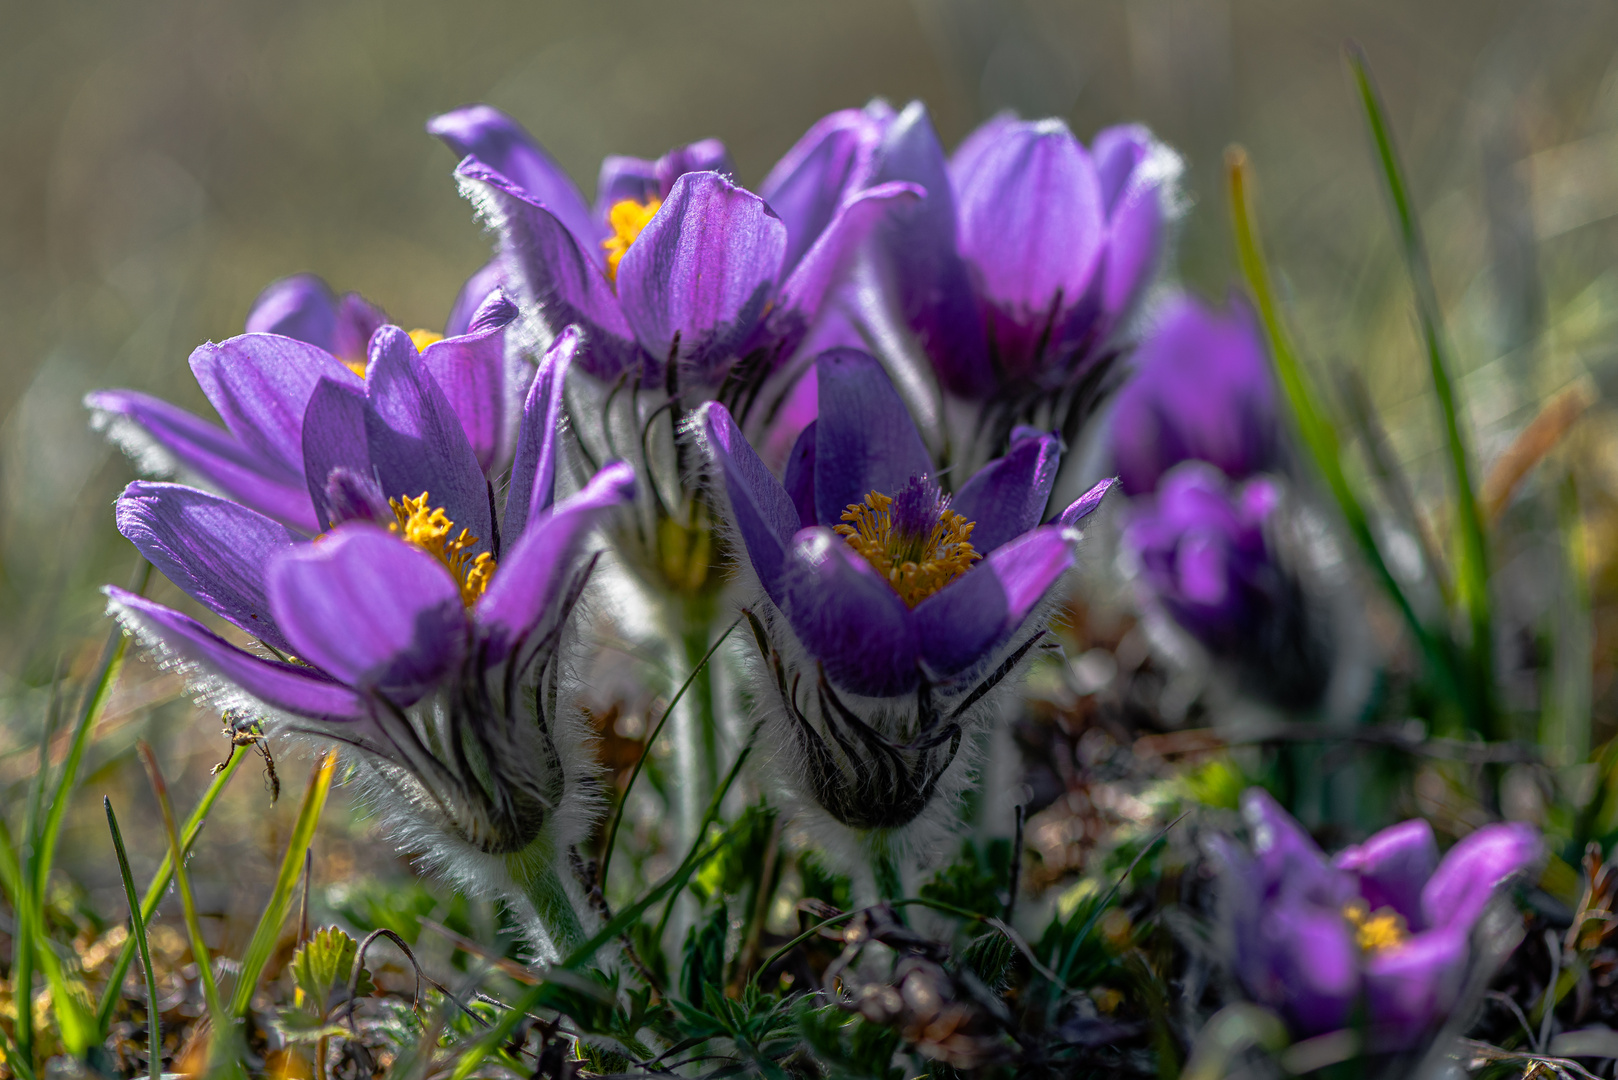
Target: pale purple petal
point(374, 611)
point(1411, 987)
point(865, 438)
point(848, 617)
point(470, 370)
point(533, 473)
point(834, 157)
point(1311, 968)
point(1007, 497)
point(483, 282)
point(1289, 862)
point(1117, 153)
point(759, 508)
point(1086, 504)
point(1473, 870)
point(215, 550)
point(301, 306)
point(294, 689)
point(963, 163)
point(1393, 866)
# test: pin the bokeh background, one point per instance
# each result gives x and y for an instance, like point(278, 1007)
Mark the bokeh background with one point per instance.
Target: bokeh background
point(165, 160)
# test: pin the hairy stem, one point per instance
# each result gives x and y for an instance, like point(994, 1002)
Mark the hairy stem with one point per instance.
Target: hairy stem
point(534, 871)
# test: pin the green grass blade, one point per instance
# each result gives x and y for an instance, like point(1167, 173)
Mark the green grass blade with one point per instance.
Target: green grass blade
point(14, 1059)
point(1472, 570)
point(160, 884)
point(1318, 436)
point(182, 882)
point(154, 1032)
point(286, 882)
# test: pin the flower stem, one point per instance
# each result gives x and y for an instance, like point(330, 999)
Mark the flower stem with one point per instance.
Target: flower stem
point(696, 728)
point(534, 871)
point(885, 869)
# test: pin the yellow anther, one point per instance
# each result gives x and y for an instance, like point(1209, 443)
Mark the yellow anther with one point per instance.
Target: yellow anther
point(916, 566)
point(1375, 931)
point(423, 338)
point(627, 219)
point(429, 528)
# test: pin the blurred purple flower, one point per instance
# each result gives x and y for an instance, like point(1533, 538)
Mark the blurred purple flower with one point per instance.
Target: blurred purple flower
point(677, 265)
point(1386, 922)
point(262, 384)
point(410, 592)
point(1202, 390)
point(1029, 251)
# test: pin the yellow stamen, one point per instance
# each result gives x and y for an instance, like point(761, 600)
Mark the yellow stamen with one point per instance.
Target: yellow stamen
point(627, 219)
point(916, 567)
point(429, 528)
point(420, 338)
point(1375, 931)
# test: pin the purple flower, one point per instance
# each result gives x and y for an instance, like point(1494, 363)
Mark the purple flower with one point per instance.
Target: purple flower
point(263, 385)
point(411, 594)
point(1202, 390)
point(677, 265)
point(1029, 251)
point(1386, 923)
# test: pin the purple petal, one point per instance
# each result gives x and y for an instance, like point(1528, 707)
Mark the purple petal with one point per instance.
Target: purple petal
point(357, 320)
point(301, 306)
point(1409, 989)
point(1202, 389)
point(470, 370)
point(533, 474)
point(260, 384)
point(1086, 504)
point(1473, 870)
point(1007, 496)
point(415, 440)
point(827, 261)
point(333, 438)
point(281, 686)
point(503, 145)
point(643, 180)
point(865, 439)
point(551, 272)
point(215, 550)
point(966, 620)
point(1031, 226)
point(934, 289)
point(963, 164)
point(1310, 966)
point(759, 507)
point(534, 572)
point(834, 157)
point(701, 274)
point(1134, 245)
point(1392, 866)
point(1288, 860)
point(374, 611)
point(160, 437)
point(848, 617)
point(1117, 153)
point(799, 476)
point(484, 281)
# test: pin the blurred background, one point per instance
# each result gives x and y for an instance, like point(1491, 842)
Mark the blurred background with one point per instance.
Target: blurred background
point(166, 160)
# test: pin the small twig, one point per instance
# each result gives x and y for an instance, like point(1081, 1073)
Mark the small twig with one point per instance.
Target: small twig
point(1202, 740)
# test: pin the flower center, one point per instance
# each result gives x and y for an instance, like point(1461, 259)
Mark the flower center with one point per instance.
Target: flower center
point(429, 528)
point(913, 539)
point(627, 218)
point(1375, 931)
point(420, 338)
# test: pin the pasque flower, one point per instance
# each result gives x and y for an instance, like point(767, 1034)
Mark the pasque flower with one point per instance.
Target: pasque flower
point(891, 596)
point(424, 631)
point(1030, 250)
point(262, 384)
point(1386, 924)
point(1202, 390)
point(676, 268)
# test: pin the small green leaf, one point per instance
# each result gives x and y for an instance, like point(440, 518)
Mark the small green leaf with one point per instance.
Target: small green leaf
point(322, 967)
point(297, 1026)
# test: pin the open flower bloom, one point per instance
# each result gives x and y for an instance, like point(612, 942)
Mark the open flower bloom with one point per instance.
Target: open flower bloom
point(409, 598)
point(263, 384)
point(685, 269)
point(1029, 251)
point(1201, 390)
point(1386, 923)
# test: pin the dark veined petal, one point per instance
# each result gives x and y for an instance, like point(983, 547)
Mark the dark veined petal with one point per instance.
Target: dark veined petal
point(848, 617)
point(1473, 870)
point(415, 440)
point(759, 507)
point(282, 686)
point(483, 282)
point(533, 473)
point(215, 550)
point(966, 620)
point(1007, 496)
point(372, 610)
point(865, 439)
point(1410, 988)
point(832, 160)
point(549, 271)
point(260, 385)
point(1086, 504)
point(702, 273)
point(470, 370)
point(932, 284)
point(642, 180)
point(799, 476)
point(503, 145)
point(161, 437)
point(1393, 866)
point(536, 568)
point(333, 438)
point(301, 306)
